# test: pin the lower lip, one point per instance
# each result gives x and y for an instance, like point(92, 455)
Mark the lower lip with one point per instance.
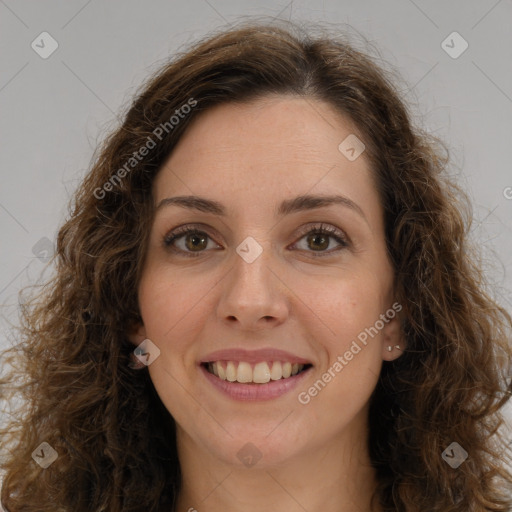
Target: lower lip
point(244, 392)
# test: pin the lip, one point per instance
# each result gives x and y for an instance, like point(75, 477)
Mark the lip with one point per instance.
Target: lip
point(253, 356)
point(255, 392)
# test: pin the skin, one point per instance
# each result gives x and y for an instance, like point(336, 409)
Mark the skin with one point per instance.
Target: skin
point(250, 157)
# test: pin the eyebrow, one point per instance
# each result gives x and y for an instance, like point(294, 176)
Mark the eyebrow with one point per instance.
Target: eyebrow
point(288, 206)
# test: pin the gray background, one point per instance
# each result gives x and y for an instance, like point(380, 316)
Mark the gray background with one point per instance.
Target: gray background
point(55, 110)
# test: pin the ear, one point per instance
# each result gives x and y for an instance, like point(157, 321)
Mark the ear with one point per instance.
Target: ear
point(393, 336)
point(136, 333)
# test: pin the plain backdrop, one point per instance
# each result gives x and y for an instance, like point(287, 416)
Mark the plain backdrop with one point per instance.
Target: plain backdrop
point(54, 110)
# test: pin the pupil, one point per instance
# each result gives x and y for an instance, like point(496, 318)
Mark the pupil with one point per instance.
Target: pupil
point(196, 237)
point(322, 237)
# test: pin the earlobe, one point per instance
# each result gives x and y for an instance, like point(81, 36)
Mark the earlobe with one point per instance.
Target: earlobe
point(136, 334)
point(393, 340)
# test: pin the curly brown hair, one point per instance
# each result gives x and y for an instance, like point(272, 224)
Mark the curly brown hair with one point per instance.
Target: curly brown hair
point(80, 394)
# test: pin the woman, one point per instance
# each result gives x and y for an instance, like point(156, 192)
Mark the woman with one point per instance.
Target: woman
point(264, 300)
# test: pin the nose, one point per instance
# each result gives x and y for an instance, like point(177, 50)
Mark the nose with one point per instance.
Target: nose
point(253, 297)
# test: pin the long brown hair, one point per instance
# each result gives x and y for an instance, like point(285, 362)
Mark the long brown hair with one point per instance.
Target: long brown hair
point(114, 438)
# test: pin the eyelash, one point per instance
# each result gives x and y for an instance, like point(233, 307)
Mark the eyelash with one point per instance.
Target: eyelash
point(323, 229)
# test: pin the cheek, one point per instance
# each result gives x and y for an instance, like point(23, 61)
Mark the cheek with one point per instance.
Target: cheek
point(170, 306)
point(352, 347)
point(167, 306)
point(346, 307)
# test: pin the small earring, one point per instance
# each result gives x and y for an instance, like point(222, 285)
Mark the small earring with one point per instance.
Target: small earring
point(390, 348)
point(135, 363)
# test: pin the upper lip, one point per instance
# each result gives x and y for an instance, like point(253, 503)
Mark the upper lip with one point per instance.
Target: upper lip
point(253, 356)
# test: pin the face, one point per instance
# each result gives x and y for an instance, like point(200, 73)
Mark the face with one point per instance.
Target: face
point(255, 289)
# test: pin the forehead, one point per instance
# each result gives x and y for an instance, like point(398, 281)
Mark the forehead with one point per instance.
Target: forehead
point(266, 150)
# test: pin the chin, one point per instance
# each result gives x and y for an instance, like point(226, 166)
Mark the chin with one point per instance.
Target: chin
point(251, 448)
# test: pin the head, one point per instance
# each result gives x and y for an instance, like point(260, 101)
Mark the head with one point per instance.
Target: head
point(311, 296)
point(253, 120)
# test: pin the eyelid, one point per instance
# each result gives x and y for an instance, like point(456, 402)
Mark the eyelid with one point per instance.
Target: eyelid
point(324, 228)
point(182, 230)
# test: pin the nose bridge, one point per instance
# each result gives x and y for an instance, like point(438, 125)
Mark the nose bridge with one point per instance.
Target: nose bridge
point(251, 272)
point(252, 291)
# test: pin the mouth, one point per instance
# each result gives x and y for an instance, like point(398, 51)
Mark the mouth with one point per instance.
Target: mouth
point(258, 373)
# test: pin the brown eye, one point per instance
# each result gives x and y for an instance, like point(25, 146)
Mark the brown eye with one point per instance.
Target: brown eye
point(318, 239)
point(187, 240)
point(195, 241)
point(190, 241)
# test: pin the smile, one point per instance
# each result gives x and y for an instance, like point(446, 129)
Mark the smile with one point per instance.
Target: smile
point(254, 373)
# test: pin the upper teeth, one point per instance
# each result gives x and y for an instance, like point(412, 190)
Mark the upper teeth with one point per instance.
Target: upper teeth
point(260, 374)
